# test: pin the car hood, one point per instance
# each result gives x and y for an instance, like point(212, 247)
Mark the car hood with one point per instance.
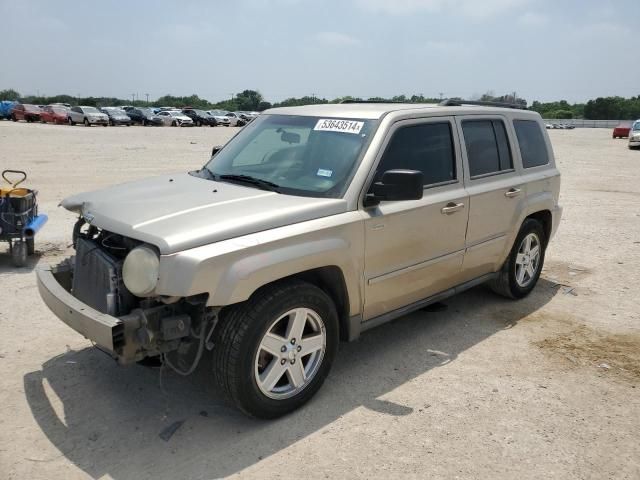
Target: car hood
point(178, 212)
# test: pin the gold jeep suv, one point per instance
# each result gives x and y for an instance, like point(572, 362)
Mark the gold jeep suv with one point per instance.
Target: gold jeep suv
point(310, 226)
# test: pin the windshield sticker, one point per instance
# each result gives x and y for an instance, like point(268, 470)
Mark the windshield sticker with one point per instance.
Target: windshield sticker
point(324, 173)
point(344, 126)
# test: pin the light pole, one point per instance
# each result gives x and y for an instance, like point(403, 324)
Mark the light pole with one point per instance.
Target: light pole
point(133, 99)
point(147, 95)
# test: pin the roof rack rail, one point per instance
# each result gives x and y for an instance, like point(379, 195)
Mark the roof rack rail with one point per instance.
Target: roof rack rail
point(367, 101)
point(451, 102)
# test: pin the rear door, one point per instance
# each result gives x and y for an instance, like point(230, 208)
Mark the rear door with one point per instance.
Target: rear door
point(414, 249)
point(496, 191)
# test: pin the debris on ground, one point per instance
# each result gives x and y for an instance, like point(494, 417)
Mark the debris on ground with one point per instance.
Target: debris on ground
point(168, 432)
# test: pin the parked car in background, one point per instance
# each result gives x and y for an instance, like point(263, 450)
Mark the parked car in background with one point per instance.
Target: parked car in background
point(54, 114)
point(220, 116)
point(143, 116)
point(117, 116)
point(175, 118)
point(6, 107)
point(634, 135)
point(200, 117)
point(622, 130)
point(24, 111)
point(88, 116)
point(235, 120)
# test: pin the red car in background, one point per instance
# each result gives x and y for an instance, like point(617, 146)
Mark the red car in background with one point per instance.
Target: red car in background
point(622, 130)
point(54, 114)
point(24, 111)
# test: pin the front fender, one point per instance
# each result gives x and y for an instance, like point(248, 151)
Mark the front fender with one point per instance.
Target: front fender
point(231, 270)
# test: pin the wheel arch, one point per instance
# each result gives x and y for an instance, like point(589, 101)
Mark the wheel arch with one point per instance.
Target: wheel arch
point(546, 219)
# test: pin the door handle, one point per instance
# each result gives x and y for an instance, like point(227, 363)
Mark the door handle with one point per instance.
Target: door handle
point(512, 192)
point(452, 208)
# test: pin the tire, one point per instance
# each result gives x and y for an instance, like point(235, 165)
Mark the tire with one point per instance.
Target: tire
point(31, 246)
point(238, 357)
point(13, 117)
point(19, 254)
point(144, 123)
point(174, 124)
point(508, 283)
point(86, 123)
point(198, 123)
point(71, 122)
point(112, 123)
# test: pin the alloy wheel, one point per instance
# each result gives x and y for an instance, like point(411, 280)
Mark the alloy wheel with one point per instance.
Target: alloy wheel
point(290, 353)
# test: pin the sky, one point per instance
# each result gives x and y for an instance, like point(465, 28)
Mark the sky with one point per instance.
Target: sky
point(542, 49)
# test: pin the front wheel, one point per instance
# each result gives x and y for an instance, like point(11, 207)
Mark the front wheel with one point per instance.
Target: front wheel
point(521, 270)
point(86, 123)
point(273, 352)
point(19, 252)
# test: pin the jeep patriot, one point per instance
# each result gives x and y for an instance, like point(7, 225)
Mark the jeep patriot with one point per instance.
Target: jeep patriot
point(311, 226)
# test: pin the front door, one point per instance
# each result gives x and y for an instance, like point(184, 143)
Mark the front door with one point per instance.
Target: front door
point(414, 249)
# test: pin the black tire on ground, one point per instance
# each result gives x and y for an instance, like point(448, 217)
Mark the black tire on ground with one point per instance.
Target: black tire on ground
point(14, 118)
point(31, 246)
point(174, 124)
point(198, 123)
point(240, 331)
point(144, 123)
point(111, 123)
point(71, 122)
point(505, 284)
point(86, 123)
point(19, 254)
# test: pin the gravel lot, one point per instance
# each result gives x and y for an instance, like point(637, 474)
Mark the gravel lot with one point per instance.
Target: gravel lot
point(546, 387)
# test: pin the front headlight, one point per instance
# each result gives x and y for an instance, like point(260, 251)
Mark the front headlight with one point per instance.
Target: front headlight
point(140, 270)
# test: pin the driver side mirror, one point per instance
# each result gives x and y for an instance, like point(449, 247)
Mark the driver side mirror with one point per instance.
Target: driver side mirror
point(215, 150)
point(396, 185)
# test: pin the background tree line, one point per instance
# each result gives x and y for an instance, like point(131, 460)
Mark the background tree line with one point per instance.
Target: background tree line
point(602, 108)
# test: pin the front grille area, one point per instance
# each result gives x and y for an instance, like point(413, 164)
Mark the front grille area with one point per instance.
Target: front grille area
point(97, 279)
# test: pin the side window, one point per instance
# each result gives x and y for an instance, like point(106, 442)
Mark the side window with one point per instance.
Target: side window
point(427, 148)
point(75, 109)
point(533, 148)
point(487, 147)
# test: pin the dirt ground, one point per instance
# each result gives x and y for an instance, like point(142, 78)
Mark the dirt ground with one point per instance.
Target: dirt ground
point(545, 387)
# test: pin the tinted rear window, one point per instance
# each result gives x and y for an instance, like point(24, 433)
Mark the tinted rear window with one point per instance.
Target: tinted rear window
point(533, 148)
point(487, 147)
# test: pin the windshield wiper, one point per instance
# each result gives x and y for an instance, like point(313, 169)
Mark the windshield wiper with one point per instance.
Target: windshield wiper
point(258, 182)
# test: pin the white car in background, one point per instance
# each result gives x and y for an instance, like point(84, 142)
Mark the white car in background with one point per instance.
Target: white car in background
point(175, 118)
point(87, 115)
point(634, 135)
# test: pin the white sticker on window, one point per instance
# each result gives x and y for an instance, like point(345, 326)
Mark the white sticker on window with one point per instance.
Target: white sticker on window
point(324, 173)
point(333, 125)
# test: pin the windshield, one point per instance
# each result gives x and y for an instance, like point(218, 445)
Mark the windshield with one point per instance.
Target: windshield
point(90, 110)
point(636, 126)
point(307, 156)
point(176, 114)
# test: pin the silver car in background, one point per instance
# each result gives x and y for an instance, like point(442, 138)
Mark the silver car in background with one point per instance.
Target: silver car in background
point(220, 116)
point(87, 115)
point(634, 135)
point(175, 118)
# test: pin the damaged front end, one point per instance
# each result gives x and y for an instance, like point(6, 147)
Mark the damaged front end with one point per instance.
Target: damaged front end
point(88, 293)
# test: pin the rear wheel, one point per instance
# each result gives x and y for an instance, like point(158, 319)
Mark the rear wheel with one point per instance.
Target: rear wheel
point(521, 270)
point(273, 352)
point(14, 118)
point(31, 246)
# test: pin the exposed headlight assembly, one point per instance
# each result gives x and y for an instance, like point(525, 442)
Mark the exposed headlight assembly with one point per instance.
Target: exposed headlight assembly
point(140, 270)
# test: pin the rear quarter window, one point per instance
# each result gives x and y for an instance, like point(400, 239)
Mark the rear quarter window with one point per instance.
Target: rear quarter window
point(533, 148)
